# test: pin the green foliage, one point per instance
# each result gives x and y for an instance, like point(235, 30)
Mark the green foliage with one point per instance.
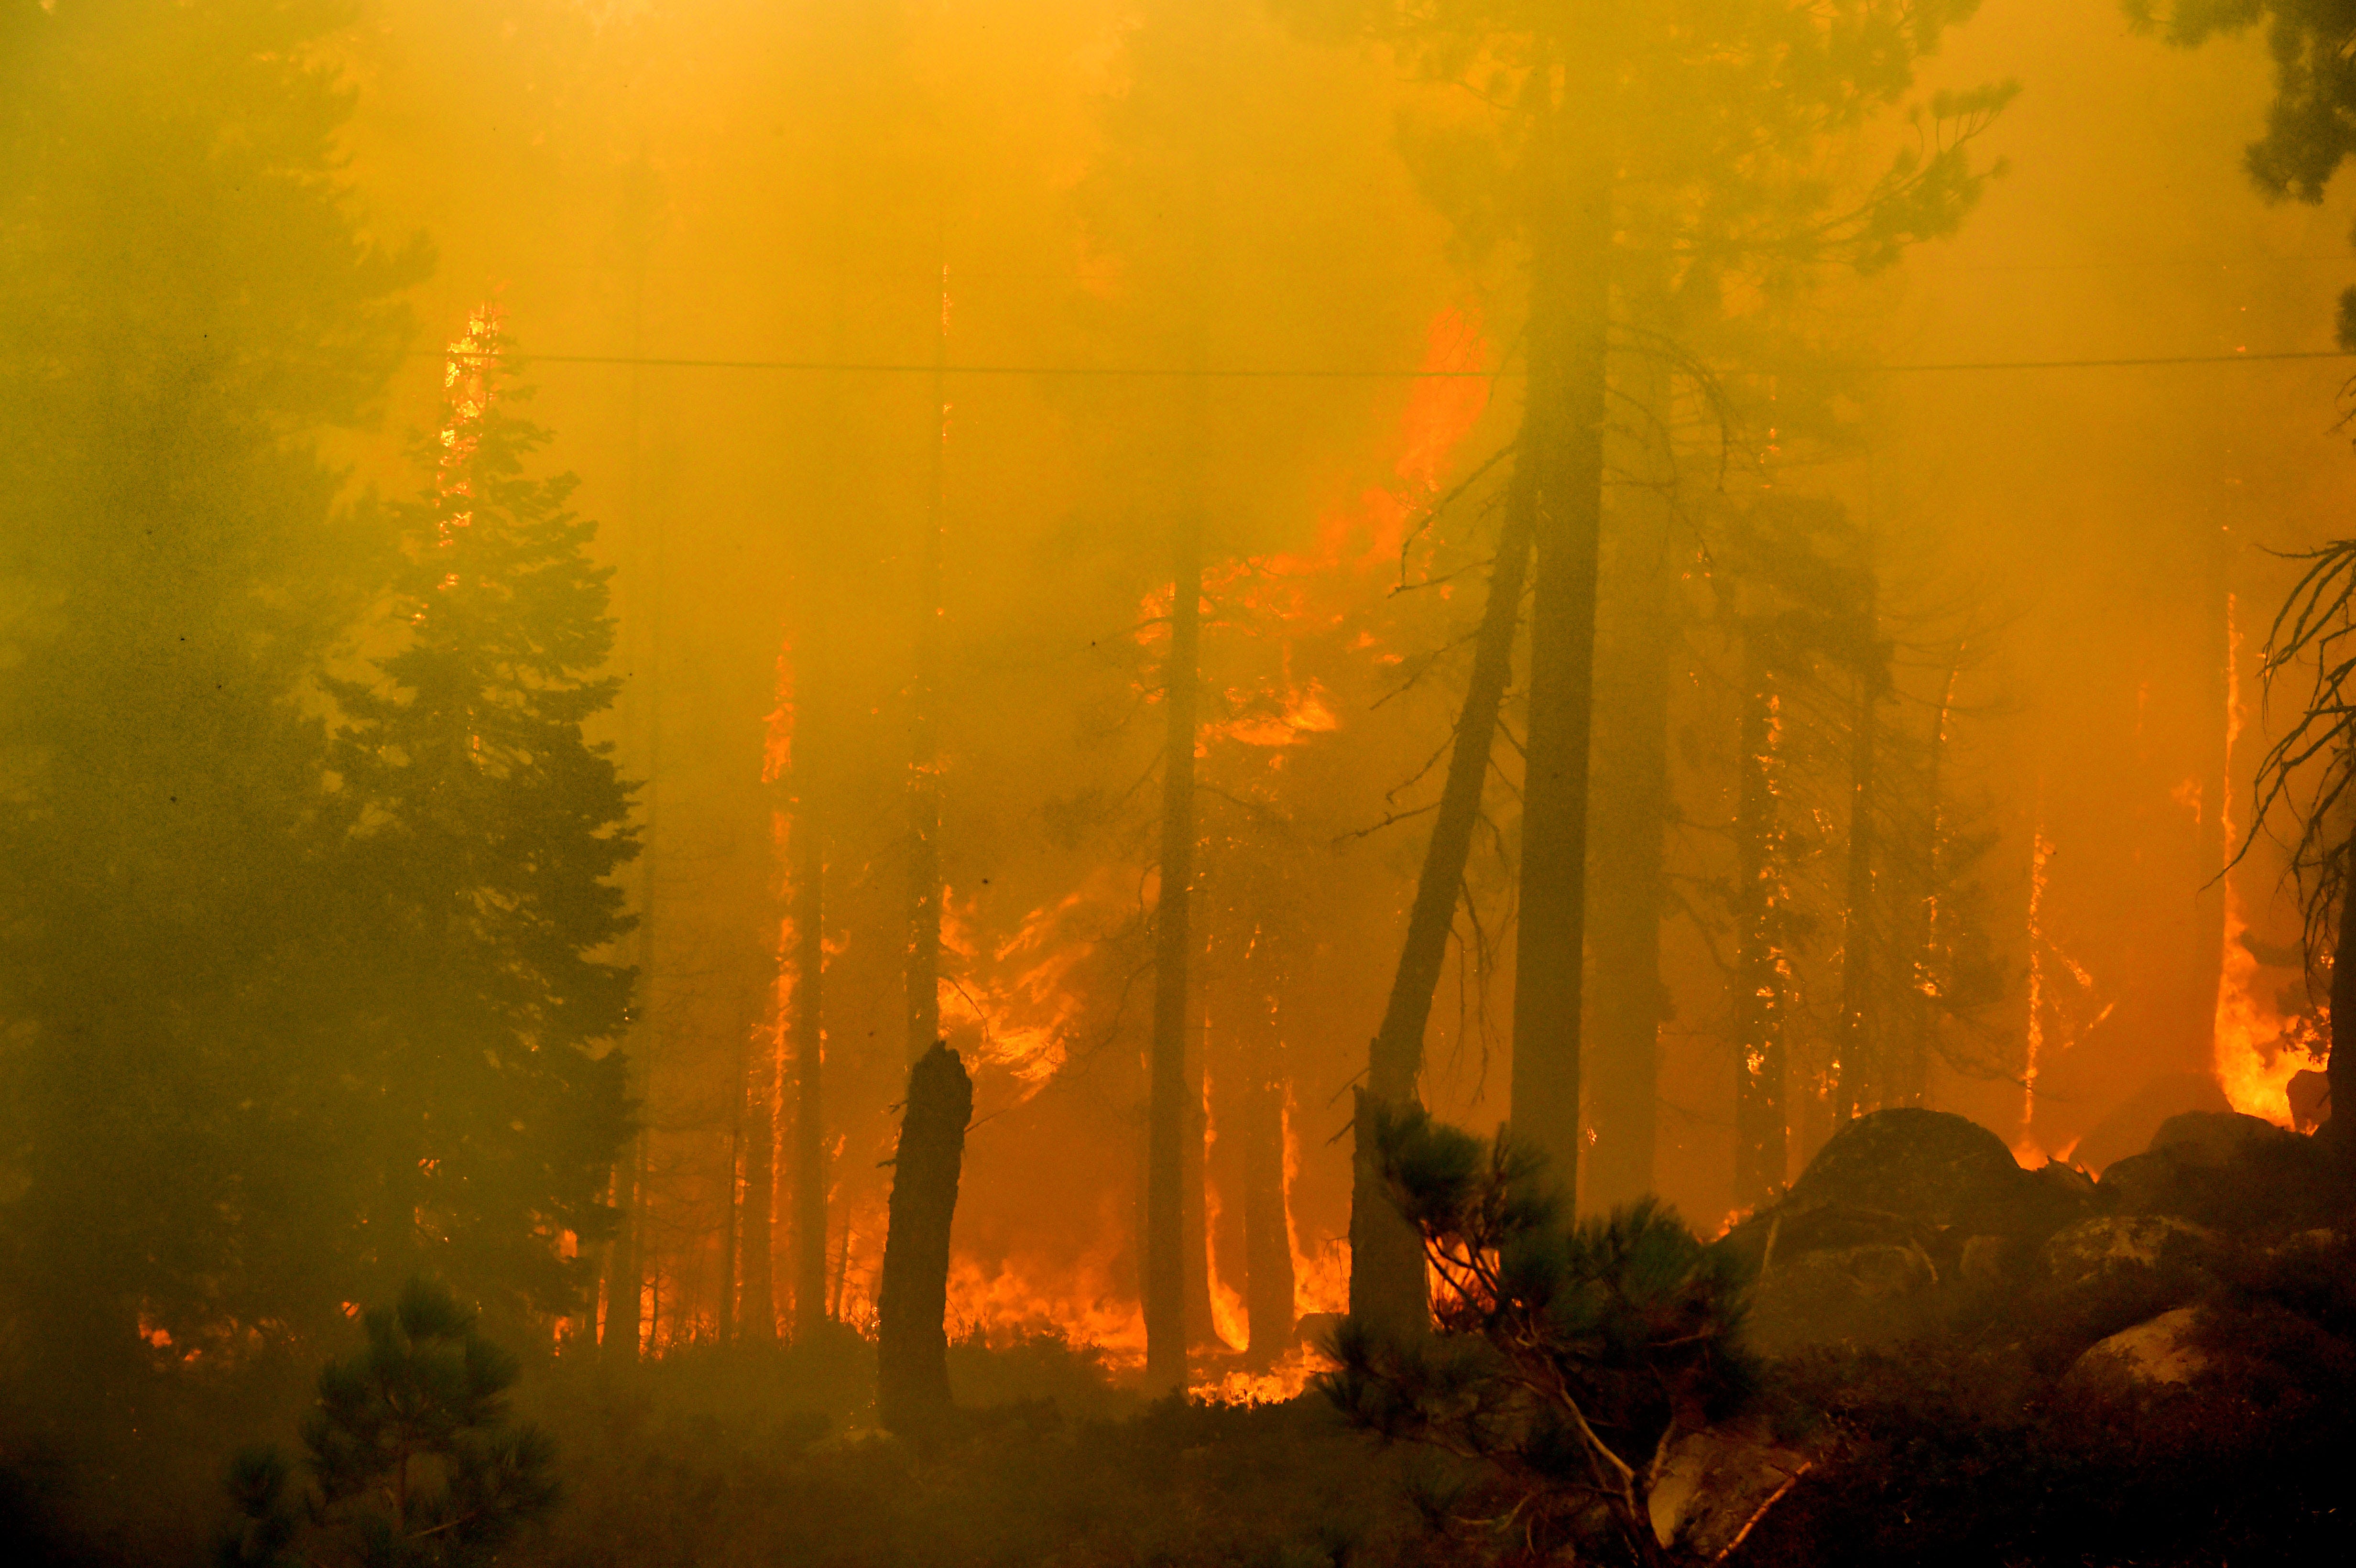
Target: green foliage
point(413, 1460)
point(1568, 1357)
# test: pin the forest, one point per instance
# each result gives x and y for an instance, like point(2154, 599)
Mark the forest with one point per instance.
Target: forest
point(1150, 783)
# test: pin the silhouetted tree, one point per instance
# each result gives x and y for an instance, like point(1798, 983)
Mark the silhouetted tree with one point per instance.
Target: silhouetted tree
point(1721, 193)
point(912, 1376)
point(188, 302)
point(412, 1459)
point(486, 831)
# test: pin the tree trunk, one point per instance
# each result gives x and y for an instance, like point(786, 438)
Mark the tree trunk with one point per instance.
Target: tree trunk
point(1193, 1180)
point(1861, 1079)
point(2340, 1066)
point(1387, 1269)
point(1761, 1157)
point(758, 1311)
point(1563, 438)
point(810, 1037)
point(1168, 1119)
point(1634, 804)
point(624, 1283)
point(1908, 1043)
point(912, 1373)
point(923, 983)
point(1258, 1119)
point(724, 1317)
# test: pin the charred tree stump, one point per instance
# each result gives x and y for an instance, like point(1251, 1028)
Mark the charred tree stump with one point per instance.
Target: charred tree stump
point(912, 1372)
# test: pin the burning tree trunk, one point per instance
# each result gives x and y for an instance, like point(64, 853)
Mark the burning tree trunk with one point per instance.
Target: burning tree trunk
point(810, 1037)
point(1168, 1117)
point(1268, 1239)
point(1761, 1157)
point(757, 1313)
point(1193, 1177)
point(911, 1374)
point(1562, 436)
point(732, 1190)
point(623, 1282)
point(1386, 1279)
point(1633, 806)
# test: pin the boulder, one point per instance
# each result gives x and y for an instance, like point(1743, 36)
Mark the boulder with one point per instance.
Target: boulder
point(1928, 1166)
point(1861, 1295)
point(2155, 1351)
point(2217, 1140)
point(2115, 1246)
point(1909, 1176)
point(2224, 1169)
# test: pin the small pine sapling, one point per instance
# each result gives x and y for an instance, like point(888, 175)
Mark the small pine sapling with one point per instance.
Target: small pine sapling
point(1569, 1357)
point(413, 1461)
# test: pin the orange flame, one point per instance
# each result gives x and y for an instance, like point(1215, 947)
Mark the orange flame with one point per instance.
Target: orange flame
point(2255, 1049)
point(469, 364)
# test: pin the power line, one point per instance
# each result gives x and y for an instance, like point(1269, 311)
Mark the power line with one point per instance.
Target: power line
point(870, 367)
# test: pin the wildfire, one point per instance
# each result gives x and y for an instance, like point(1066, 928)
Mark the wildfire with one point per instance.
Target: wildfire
point(2255, 1049)
point(2040, 852)
point(1287, 1379)
point(1018, 996)
point(1002, 1303)
point(1321, 1278)
point(467, 390)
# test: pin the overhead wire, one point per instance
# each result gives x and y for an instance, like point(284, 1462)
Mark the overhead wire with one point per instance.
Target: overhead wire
point(875, 367)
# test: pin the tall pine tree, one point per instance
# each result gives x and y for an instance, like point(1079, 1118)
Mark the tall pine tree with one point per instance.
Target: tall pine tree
point(186, 302)
point(486, 831)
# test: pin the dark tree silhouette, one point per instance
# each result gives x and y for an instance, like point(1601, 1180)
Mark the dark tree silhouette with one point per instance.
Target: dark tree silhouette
point(412, 1459)
point(911, 1375)
point(486, 831)
point(190, 302)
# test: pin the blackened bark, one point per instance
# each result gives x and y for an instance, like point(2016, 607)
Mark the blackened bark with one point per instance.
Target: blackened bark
point(1387, 1270)
point(912, 1372)
point(1168, 1119)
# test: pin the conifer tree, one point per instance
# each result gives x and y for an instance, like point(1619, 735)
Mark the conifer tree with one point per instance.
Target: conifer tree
point(1681, 146)
point(188, 302)
point(1569, 1360)
point(413, 1460)
point(487, 829)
